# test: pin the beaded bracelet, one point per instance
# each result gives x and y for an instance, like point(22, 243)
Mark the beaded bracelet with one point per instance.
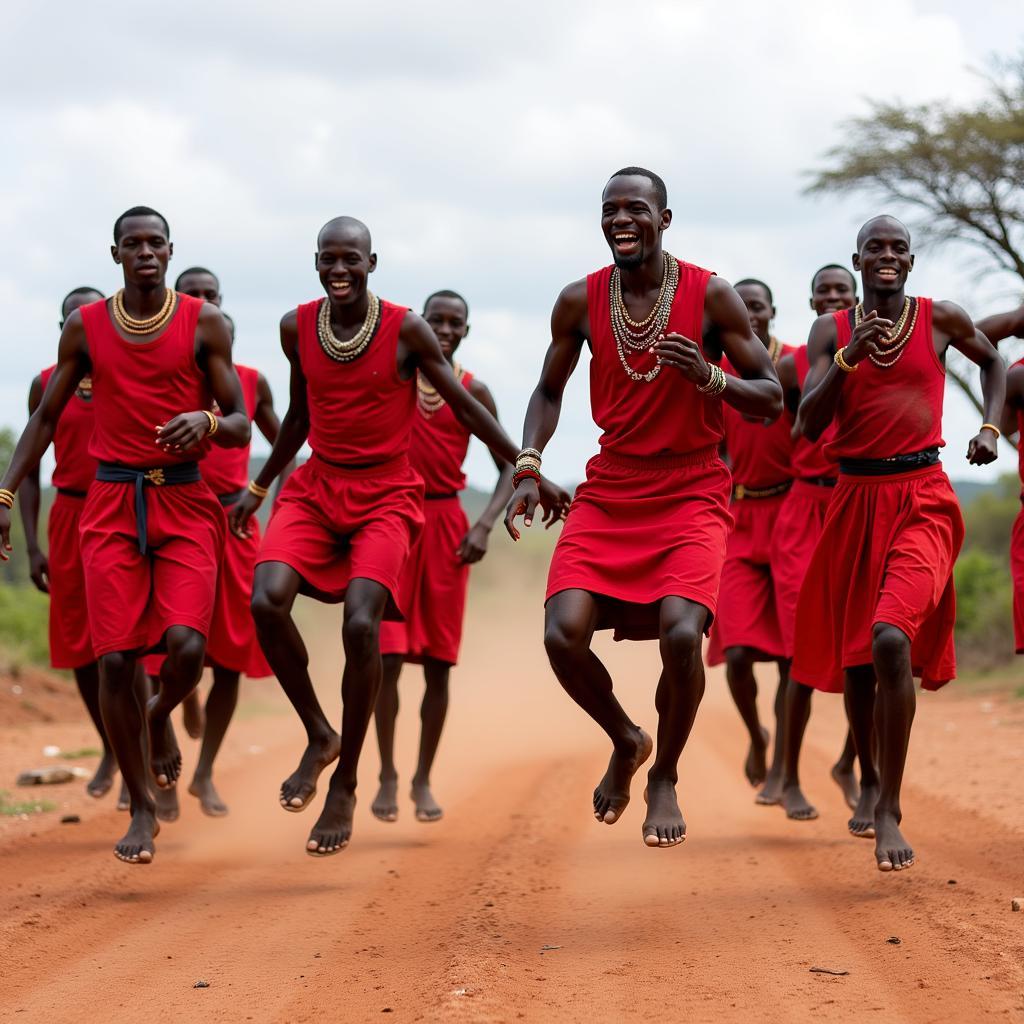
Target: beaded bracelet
point(255, 489)
point(841, 362)
point(214, 423)
point(520, 475)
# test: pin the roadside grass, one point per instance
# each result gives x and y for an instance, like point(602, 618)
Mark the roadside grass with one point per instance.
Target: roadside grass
point(11, 808)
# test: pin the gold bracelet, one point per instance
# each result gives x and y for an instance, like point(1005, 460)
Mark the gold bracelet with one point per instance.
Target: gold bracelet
point(255, 489)
point(842, 363)
point(995, 430)
point(6, 497)
point(214, 423)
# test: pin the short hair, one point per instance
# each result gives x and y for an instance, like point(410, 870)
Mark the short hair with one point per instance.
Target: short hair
point(833, 266)
point(445, 293)
point(82, 290)
point(195, 270)
point(660, 191)
point(760, 284)
point(139, 211)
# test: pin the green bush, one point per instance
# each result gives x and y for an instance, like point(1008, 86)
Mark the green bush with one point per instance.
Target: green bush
point(24, 613)
point(984, 610)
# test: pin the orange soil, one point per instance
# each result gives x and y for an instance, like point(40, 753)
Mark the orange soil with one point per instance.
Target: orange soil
point(450, 921)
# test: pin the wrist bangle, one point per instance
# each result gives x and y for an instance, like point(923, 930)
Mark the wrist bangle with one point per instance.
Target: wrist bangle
point(841, 362)
point(6, 497)
point(255, 489)
point(214, 423)
point(995, 430)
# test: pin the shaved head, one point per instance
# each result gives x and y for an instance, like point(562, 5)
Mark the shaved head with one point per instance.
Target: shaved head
point(883, 223)
point(346, 229)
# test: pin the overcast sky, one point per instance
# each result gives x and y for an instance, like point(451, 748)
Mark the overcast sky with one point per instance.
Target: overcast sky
point(473, 139)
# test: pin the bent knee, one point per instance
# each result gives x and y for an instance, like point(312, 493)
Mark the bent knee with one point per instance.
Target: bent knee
point(117, 667)
point(361, 631)
point(682, 639)
point(564, 640)
point(889, 644)
point(186, 646)
point(268, 605)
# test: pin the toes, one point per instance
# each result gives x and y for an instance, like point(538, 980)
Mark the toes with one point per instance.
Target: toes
point(650, 837)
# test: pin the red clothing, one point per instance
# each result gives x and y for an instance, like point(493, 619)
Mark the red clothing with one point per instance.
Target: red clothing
point(888, 544)
point(360, 412)
point(439, 446)
point(70, 639)
point(1017, 546)
point(809, 460)
point(226, 470)
point(75, 468)
point(893, 411)
point(137, 385)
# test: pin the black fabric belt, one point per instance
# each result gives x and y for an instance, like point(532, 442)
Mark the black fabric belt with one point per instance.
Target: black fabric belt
point(440, 497)
point(820, 481)
point(227, 500)
point(70, 492)
point(159, 476)
point(891, 466)
point(740, 492)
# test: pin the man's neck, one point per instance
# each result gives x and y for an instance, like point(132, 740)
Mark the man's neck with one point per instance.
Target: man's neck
point(349, 314)
point(646, 277)
point(143, 301)
point(887, 304)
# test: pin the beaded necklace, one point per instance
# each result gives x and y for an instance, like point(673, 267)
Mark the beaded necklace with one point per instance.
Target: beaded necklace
point(428, 400)
point(346, 351)
point(896, 342)
point(150, 325)
point(633, 336)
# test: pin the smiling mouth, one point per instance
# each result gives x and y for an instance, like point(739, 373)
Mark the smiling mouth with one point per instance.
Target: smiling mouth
point(888, 273)
point(626, 240)
point(340, 287)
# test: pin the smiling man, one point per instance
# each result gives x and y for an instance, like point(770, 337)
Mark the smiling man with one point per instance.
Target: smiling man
point(345, 521)
point(644, 542)
point(877, 606)
point(151, 530)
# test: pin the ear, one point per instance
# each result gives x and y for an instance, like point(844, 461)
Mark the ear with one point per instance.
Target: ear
point(373, 262)
point(316, 260)
point(773, 312)
point(911, 262)
point(465, 333)
point(810, 302)
point(114, 256)
point(170, 250)
point(666, 220)
point(856, 261)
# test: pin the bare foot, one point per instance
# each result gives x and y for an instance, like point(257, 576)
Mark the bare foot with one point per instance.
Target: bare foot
point(102, 782)
point(427, 808)
point(136, 847)
point(664, 825)
point(124, 799)
point(385, 803)
point(333, 828)
point(300, 787)
point(771, 793)
point(612, 793)
point(892, 851)
point(164, 755)
point(167, 807)
point(862, 824)
point(192, 715)
point(847, 782)
point(208, 797)
point(756, 766)
point(796, 805)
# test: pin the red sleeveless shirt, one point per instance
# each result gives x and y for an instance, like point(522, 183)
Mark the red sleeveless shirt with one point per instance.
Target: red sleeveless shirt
point(438, 448)
point(137, 385)
point(75, 468)
point(809, 458)
point(667, 416)
point(226, 470)
point(1020, 429)
point(359, 412)
point(894, 411)
point(760, 454)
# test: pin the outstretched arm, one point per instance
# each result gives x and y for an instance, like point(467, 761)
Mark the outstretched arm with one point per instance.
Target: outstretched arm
point(28, 505)
point(72, 365)
point(269, 425)
point(1003, 325)
point(957, 329)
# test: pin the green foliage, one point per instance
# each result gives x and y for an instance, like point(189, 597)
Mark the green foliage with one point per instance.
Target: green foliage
point(989, 517)
point(984, 611)
point(15, 570)
point(11, 808)
point(24, 613)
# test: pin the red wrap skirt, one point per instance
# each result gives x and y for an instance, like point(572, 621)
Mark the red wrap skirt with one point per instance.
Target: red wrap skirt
point(70, 639)
point(1017, 570)
point(332, 525)
point(642, 529)
point(133, 598)
point(748, 612)
point(885, 555)
point(434, 589)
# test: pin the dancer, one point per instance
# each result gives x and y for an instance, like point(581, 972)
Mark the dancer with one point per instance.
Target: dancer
point(345, 521)
point(644, 541)
point(878, 603)
point(748, 628)
point(437, 571)
point(151, 530)
point(799, 524)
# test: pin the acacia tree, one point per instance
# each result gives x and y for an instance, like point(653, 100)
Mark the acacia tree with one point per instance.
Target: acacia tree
point(959, 171)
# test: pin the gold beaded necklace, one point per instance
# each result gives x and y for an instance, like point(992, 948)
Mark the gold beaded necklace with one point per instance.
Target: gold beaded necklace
point(346, 351)
point(84, 389)
point(633, 336)
point(895, 342)
point(774, 349)
point(149, 325)
point(428, 400)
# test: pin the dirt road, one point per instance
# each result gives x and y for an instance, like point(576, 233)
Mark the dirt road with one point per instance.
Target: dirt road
point(519, 906)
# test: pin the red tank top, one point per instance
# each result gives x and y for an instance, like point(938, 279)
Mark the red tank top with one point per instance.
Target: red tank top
point(226, 470)
point(1020, 429)
point(75, 468)
point(760, 454)
point(438, 448)
point(668, 415)
point(362, 411)
point(894, 411)
point(809, 458)
point(137, 385)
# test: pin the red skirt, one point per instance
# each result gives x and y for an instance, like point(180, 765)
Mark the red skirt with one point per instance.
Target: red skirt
point(133, 598)
point(70, 639)
point(748, 614)
point(332, 525)
point(885, 555)
point(434, 589)
point(1017, 570)
point(800, 522)
point(640, 530)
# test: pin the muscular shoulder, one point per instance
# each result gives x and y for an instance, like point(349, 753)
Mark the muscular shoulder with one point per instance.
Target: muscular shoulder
point(951, 319)
point(786, 369)
point(413, 326)
point(570, 310)
point(822, 339)
point(1015, 384)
